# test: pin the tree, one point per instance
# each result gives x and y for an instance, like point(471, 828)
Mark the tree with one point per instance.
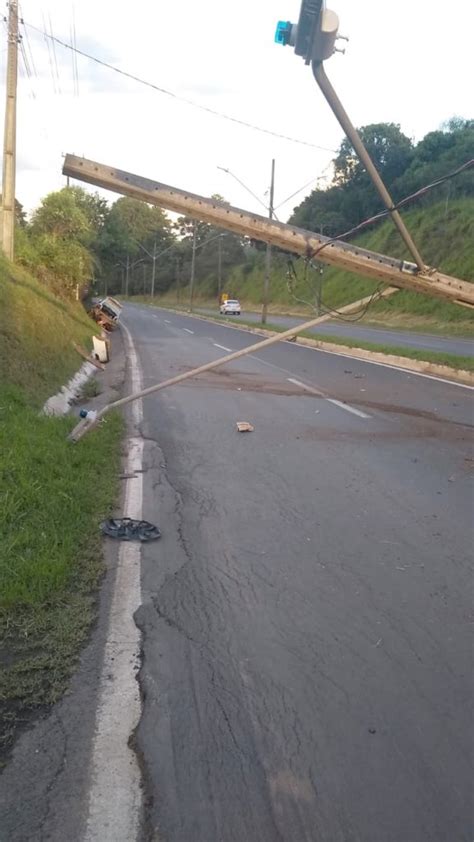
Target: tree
point(390, 150)
point(60, 215)
point(20, 215)
point(131, 228)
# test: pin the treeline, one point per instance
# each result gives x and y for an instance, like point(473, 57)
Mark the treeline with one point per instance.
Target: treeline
point(77, 242)
point(405, 167)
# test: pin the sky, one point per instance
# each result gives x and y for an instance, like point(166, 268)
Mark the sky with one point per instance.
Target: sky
point(408, 62)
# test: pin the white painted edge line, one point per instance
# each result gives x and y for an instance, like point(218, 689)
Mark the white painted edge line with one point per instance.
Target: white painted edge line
point(348, 408)
point(222, 347)
point(115, 794)
point(306, 388)
point(167, 322)
point(187, 330)
point(409, 372)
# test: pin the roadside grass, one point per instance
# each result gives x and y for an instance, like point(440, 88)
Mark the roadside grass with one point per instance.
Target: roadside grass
point(37, 332)
point(52, 496)
point(456, 361)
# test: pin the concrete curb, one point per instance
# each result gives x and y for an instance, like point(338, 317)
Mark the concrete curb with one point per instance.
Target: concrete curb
point(420, 366)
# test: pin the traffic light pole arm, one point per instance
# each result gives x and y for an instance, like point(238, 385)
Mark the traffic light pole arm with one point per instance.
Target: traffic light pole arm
point(351, 132)
point(369, 264)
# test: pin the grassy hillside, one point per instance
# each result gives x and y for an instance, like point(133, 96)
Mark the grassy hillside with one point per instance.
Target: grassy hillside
point(52, 496)
point(36, 335)
point(444, 235)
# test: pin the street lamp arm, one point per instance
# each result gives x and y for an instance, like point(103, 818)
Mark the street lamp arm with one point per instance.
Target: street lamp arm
point(229, 172)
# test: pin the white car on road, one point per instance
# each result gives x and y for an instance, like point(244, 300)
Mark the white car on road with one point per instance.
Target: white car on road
point(230, 308)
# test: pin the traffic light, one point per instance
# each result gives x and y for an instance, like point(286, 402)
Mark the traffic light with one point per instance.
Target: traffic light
point(314, 36)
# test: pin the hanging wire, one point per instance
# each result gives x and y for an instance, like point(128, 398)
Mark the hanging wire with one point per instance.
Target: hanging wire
point(322, 307)
point(418, 193)
point(48, 46)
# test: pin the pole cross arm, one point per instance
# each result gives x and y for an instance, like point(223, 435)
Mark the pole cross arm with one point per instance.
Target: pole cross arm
point(389, 270)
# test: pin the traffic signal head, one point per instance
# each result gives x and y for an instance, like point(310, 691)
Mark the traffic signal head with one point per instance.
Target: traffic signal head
point(314, 36)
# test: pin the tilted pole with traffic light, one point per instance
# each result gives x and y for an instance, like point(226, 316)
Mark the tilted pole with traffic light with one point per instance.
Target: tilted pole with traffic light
point(314, 39)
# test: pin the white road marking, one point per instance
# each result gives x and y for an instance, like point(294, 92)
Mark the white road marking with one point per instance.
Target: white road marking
point(340, 404)
point(115, 795)
point(348, 408)
point(354, 359)
point(222, 347)
point(306, 388)
point(187, 330)
point(167, 322)
point(406, 371)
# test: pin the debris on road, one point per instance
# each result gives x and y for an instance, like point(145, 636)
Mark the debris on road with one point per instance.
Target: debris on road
point(244, 427)
point(127, 529)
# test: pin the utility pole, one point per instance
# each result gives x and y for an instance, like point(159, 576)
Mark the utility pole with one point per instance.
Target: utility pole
point(127, 274)
point(177, 281)
point(153, 257)
point(268, 255)
point(193, 269)
point(9, 143)
point(219, 269)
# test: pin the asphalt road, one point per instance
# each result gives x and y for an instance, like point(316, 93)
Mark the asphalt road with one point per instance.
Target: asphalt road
point(398, 338)
point(307, 614)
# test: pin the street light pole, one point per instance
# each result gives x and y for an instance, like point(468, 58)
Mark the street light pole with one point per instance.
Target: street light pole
point(127, 274)
point(154, 256)
point(177, 281)
point(268, 255)
point(193, 269)
point(219, 269)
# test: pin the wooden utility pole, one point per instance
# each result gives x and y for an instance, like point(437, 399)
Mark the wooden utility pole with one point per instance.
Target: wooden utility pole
point(9, 143)
point(268, 255)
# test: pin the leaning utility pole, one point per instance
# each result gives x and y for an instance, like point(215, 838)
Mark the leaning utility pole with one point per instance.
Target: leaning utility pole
point(9, 143)
point(268, 255)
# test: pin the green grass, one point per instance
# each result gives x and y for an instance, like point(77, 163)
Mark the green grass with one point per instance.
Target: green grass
point(37, 332)
point(52, 496)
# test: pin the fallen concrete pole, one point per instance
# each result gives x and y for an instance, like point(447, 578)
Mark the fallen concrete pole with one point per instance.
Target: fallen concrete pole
point(93, 419)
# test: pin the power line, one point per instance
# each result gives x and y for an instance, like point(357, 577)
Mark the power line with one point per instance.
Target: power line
point(74, 54)
point(54, 53)
point(312, 181)
point(291, 271)
point(46, 37)
point(177, 97)
point(28, 47)
point(418, 193)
